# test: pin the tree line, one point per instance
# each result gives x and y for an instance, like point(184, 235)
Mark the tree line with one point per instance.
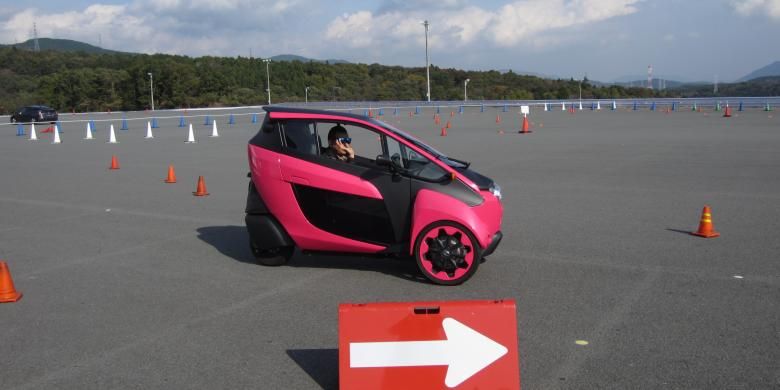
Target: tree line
point(78, 81)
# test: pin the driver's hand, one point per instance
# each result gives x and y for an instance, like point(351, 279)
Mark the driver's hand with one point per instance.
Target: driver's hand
point(347, 148)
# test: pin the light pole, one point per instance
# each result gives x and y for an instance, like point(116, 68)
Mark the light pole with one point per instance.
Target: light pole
point(151, 88)
point(307, 94)
point(427, 67)
point(465, 85)
point(268, 79)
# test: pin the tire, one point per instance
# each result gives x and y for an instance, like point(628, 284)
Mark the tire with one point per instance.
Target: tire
point(272, 257)
point(447, 253)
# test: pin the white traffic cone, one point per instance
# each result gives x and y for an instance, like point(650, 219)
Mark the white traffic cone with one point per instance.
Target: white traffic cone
point(598, 105)
point(614, 105)
point(214, 132)
point(563, 106)
point(112, 136)
point(580, 105)
point(33, 136)
point(191, 136)
point(546, 108)
point(56, 135)
point(89, 132)
point(149, 131)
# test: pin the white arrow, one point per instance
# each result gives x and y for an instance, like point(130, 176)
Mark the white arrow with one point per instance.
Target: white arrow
point(465, 351)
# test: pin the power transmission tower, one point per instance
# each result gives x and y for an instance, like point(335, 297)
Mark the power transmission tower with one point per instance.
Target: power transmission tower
point(36, 46)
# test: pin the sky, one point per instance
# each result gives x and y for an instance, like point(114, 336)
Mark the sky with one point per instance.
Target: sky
point(686, 40)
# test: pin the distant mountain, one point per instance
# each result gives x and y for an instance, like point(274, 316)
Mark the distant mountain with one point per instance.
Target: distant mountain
point(61, 45)
point(772, 69)
point(293, 57)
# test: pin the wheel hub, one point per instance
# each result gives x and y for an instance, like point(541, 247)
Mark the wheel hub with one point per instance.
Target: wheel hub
point(446, 252)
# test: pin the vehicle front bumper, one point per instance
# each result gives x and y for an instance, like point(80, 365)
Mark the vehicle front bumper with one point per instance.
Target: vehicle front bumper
point(493, 243)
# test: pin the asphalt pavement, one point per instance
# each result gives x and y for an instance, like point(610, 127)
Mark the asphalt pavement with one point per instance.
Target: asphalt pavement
point(130, 282)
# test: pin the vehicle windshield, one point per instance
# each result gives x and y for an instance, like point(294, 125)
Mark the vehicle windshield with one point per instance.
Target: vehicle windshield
point(455, 163)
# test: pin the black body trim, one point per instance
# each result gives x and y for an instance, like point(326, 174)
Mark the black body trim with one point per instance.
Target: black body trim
point(483, 182)
point(266, 232)
point(255, 203)
point(493, 244)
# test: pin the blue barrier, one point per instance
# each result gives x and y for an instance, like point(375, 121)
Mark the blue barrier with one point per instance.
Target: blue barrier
point(231, 120)
point(254, 118)
point(124, 123)
point(206, 121)
point(181, 121)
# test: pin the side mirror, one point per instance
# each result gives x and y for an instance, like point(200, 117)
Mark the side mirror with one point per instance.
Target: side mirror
point(383, 161)
point(392, 163)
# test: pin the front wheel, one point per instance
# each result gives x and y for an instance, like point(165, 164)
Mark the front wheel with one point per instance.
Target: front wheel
point(447, 253)
point(272, 257)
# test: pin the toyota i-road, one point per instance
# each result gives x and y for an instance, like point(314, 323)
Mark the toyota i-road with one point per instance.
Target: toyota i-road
point(397, 196)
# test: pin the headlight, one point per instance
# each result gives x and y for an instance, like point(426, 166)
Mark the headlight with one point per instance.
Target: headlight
point(496, 190)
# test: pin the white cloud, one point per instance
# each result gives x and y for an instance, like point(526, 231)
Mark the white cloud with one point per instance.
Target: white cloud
point(770, 8)
point(192, 27)
point(519, 22)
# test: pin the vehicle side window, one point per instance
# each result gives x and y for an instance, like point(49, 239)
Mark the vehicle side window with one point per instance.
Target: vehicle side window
point(394, 147)
point(365, 142)
point(301, 136)
point(416, 165)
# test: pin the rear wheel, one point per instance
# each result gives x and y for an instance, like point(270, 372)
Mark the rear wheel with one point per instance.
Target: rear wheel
point(272, 257)
point(447, 253)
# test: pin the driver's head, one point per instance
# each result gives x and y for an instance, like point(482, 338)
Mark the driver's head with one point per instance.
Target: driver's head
point(335, 133)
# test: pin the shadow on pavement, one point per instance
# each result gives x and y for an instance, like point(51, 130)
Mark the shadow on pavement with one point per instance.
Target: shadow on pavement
point(322, 365)
point(687, 232)
point(233, 242)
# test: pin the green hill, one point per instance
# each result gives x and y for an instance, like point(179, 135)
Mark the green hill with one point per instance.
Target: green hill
point(65, 45)
point(293, 57)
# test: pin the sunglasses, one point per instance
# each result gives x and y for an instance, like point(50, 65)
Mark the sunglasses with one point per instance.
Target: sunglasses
point(344, 140)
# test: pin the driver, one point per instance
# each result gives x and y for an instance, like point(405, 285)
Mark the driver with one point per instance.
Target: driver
point(339, 145)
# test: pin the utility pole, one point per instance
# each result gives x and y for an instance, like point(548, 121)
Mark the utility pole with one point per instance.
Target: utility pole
point(268, 78)
point(465, 90)
point(427, 67)
point(151, 89)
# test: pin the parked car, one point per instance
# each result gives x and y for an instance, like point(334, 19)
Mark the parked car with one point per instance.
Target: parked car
point(398, 196)
point(34, 114)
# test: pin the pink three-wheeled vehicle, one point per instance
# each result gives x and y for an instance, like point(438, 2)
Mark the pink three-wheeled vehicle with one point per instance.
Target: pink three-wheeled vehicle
point(398, 196)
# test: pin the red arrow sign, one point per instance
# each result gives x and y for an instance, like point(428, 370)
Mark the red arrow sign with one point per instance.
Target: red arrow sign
point(429, 345)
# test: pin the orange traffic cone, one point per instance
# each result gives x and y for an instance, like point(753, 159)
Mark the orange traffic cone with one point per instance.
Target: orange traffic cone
point(370, 114)
point(8, 292)
point(706, 229)
point(410, 114)
point(452, 113)
point(727, 112)
point(171, 175)
point(201, 190)
point(114, 163)
point(449, 125)
point(524, 128)
point(498, 118)
point(443, 132)
point(437, 120)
